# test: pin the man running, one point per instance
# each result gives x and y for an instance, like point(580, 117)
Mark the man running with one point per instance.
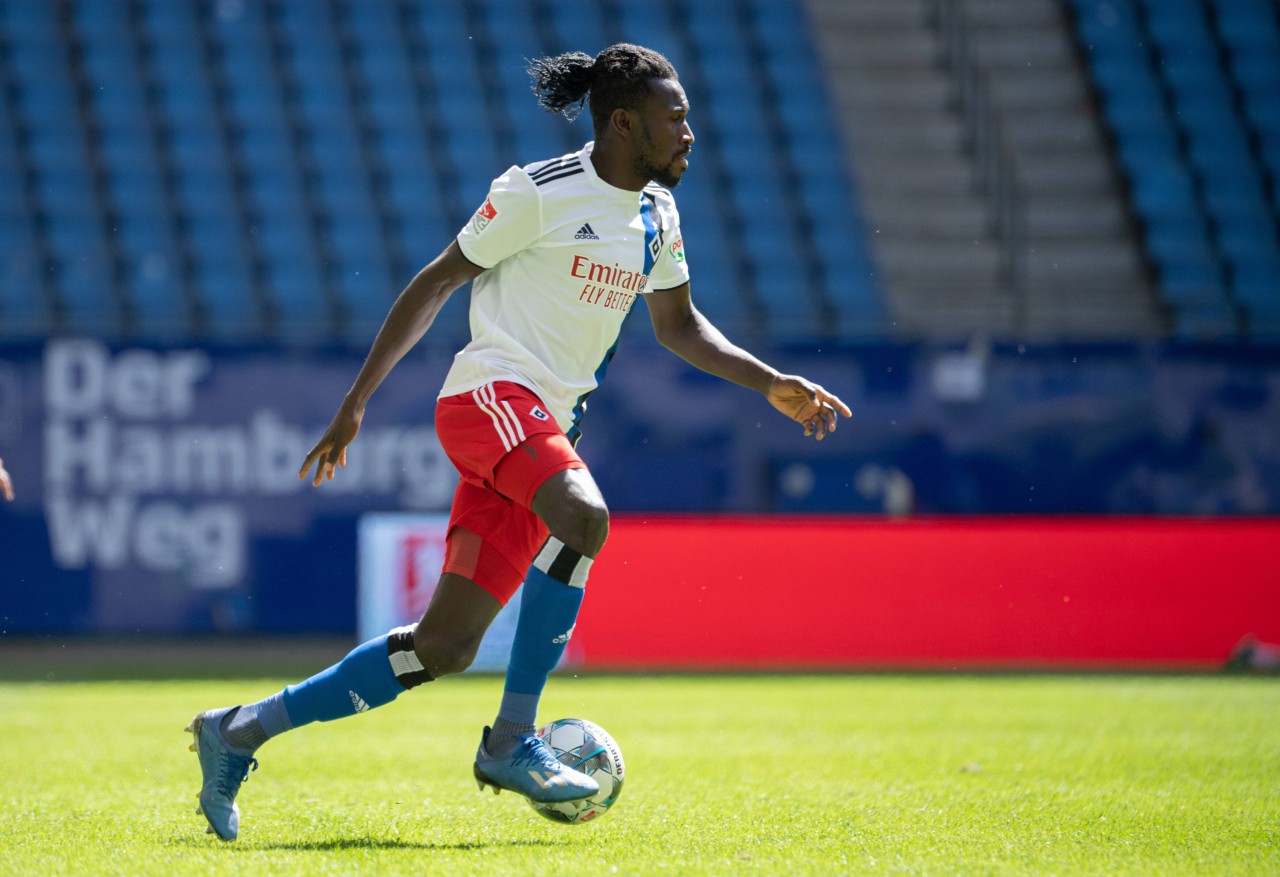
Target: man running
point(559, 253)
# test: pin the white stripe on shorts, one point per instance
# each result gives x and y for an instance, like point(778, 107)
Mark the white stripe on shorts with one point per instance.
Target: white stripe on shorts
point(482, 398)
point(514, 430)
point(514, 420)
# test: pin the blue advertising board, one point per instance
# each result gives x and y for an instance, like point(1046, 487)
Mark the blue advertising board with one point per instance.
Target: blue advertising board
point(158, 491)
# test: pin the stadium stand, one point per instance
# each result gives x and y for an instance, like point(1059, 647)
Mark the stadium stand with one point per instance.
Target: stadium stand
point(248, 170)
point(983, 170)
point(1191, 91)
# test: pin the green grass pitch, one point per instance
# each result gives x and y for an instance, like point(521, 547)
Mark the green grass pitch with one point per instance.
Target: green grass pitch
point(730, 775)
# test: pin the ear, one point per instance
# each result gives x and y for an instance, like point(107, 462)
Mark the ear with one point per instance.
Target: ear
point(623, 122)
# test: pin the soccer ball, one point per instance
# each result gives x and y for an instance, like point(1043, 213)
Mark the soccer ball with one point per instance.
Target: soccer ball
point(586, 747)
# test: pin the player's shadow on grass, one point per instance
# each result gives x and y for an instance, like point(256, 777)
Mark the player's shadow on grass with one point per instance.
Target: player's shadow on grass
point(393, 843)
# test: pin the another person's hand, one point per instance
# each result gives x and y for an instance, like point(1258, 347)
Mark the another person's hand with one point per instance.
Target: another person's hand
point(6, 483)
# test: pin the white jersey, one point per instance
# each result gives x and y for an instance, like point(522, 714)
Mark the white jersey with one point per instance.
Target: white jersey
point(566, 254)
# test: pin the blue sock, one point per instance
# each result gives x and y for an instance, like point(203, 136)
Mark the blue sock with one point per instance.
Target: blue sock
point(372, 675)
point(553, 591)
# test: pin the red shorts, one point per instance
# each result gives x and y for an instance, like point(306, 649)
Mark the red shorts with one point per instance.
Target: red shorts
point(505, 445)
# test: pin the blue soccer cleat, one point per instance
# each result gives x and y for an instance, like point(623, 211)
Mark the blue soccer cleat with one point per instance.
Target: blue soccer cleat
point(531, 770)
point(223, 769)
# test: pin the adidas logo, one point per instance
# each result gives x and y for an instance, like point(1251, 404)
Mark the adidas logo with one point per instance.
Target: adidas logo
point(564, 637)
point(586, 233)
point(358, 702)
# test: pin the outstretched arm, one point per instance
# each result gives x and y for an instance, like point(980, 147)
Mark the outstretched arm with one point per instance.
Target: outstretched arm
point(6, 485)
point(684, 331)
point(408, 320)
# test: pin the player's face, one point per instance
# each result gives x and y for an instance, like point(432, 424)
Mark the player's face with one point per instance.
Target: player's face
point(665, 135)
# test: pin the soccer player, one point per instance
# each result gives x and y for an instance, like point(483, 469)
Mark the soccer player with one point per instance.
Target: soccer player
point(559, 252)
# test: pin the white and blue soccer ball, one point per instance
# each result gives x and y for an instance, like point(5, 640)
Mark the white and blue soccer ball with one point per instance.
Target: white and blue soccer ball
point(586, 747)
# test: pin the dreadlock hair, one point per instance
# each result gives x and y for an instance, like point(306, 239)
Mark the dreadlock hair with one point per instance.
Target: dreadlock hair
point(618, 77)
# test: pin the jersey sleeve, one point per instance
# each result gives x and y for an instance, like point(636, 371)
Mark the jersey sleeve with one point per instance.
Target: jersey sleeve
point(670, 269)
point(508, 221)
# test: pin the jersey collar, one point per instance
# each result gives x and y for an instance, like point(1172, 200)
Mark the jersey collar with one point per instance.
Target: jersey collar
point(621, 194)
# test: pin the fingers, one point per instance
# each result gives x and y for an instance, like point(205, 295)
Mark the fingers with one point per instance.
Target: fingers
point(821, 423)
point(834, 401)
point(825, 419)
point(329, 466)
point(328, 460)
point(312, 456)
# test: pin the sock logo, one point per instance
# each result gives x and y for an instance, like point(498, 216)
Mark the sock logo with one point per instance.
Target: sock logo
point(564, 637)
point(358, 702)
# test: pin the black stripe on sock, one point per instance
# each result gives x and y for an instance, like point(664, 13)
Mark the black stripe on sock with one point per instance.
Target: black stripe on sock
point(561, 569)
point(402, 641)
point(413, 680)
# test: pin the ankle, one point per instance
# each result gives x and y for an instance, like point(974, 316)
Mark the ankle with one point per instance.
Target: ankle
point(506, 735)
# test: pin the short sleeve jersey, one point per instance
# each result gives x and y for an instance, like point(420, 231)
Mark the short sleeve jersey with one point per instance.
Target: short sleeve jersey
point(565, 257)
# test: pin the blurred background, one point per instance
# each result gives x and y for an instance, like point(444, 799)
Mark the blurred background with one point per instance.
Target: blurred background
point(1033, 244)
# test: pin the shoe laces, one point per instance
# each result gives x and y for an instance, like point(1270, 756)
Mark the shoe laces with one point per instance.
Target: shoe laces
point(236, 771)
point(535, 752)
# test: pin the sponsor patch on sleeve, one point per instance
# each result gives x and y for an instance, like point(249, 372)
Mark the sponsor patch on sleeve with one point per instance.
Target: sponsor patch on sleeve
point(484, 216)
point(677, 249)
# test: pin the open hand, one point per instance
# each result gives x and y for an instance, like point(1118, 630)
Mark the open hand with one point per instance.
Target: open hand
point(807, 404)
point(330, 453)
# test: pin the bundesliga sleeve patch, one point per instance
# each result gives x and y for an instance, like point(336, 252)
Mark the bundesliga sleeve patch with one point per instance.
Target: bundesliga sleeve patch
point(484, 216)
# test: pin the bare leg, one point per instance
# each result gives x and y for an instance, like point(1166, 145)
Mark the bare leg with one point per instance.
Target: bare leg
point(453, 625)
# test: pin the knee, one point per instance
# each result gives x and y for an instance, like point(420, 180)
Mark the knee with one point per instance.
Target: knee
point(444, 655)
point(585, 527)
point(571, 506)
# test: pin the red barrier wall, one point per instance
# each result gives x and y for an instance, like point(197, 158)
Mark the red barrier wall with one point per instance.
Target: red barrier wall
point(757, 592)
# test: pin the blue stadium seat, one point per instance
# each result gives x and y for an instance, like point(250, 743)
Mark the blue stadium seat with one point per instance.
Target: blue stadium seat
point(24, 21)
point(138, 191)
point(297, 288)
point(421, 235)
point(367, 291)
point(650, 25)
point(138, 234)
point(226, 287)
point(283, 238)
point(214, 235)
point(128, 147)
point(266, 143)
point(577, 24)
point(207, 193)
point(85, 285)
point(277, 190)
point(346, 194)
point(154, 285)
point(1254, 286)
